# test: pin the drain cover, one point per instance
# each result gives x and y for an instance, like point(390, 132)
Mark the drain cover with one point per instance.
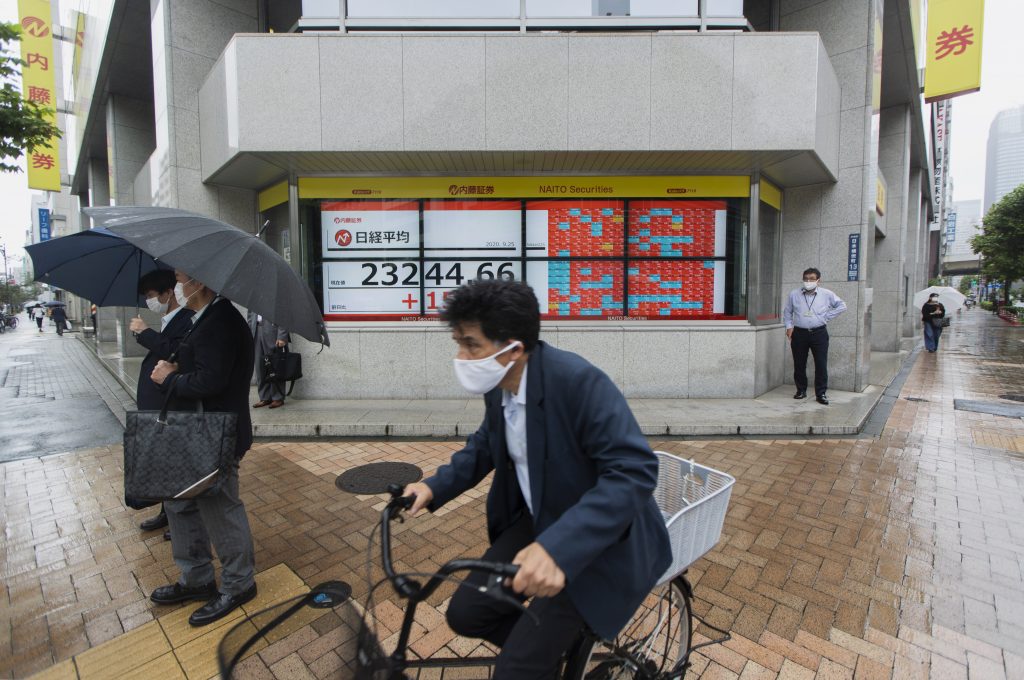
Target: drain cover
point(374, 478)
point(990, 407)
point(1012, 397)
point(914, 399)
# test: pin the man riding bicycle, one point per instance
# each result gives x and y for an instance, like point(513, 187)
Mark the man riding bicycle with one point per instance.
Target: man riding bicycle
point(570, 502)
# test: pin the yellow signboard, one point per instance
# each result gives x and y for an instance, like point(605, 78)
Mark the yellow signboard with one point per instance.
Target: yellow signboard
point(731, 186)
point(39, 85)
point(880, 195)
point(273, 195)
point(770, 194)
point(953, 48)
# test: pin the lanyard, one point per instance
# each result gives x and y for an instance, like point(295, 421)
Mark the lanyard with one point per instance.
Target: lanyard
point(813, 298)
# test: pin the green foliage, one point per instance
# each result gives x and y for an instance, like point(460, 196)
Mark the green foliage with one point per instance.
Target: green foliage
point(988, 305)
point(937, 281)
point(23, 124)
point(1001, 244)
point(966, 283)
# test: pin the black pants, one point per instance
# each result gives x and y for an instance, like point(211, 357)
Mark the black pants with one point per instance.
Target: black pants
point(528, 650)
point(815, 340)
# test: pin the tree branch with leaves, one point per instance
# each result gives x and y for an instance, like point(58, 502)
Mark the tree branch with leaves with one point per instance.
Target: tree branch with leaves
point(1001, 244)
point(24, 125)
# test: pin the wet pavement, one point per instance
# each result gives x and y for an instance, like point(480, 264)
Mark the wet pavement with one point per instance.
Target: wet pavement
point(895, 556)
point(53, 396)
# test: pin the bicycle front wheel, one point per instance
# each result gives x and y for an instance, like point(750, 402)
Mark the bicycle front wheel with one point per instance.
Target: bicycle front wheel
point(654, 644)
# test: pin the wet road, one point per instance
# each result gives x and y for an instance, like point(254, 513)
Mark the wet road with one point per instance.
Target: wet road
point(53, 395)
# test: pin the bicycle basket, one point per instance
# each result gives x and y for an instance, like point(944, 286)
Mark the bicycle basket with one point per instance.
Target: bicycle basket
point(331, 613)
point(693, 500)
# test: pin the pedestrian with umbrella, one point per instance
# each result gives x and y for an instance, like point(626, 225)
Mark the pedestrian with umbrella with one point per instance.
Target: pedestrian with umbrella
point(60, 318)
point(158, 288)
point(39, 313)
point(935, 303)
point(215, 264)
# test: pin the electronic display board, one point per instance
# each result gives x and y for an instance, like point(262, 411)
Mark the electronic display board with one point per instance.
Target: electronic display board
point(585, 258)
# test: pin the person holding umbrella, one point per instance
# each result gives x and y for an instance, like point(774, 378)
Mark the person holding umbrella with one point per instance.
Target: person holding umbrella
point(158, 288)
point(932, 314)
point(60, 318)
point(214, 365)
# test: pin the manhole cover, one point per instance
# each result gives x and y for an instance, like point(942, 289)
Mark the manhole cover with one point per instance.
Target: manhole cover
point(374, 478)
point(1012, 397)
point(914, 399)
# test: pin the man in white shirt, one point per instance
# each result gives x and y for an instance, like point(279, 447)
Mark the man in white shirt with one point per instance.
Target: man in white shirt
point(806, 314)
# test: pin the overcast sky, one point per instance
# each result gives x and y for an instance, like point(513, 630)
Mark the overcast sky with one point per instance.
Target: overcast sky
point(1002, 88)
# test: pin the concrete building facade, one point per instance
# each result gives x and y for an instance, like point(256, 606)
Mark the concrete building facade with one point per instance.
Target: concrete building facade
point(775, 124)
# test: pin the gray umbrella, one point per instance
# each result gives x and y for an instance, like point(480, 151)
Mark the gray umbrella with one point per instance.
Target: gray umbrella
point(234, 263)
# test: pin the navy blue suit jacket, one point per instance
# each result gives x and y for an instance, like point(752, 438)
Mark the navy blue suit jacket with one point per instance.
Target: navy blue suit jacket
point(592, 475)
point(161, 345)
point(215, 362)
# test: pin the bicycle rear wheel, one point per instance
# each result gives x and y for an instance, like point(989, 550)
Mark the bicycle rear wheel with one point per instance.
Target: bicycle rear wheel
point(654, 644)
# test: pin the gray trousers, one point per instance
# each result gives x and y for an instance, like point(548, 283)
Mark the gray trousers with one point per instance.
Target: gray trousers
point(269, 391)
point(220, 517)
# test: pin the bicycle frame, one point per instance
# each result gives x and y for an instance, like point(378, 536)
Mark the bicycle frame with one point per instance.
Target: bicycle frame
point(415, 592)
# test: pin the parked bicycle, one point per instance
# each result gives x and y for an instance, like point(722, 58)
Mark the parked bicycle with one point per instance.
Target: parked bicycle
point(656, 644)
point(8, 321)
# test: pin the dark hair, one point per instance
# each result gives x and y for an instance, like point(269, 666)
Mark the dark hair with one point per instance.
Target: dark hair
point(504, 310)
point(160, 280)
point(812, 270)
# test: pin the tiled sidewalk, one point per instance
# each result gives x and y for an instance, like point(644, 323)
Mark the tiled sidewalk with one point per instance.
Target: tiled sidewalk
point(899, 556)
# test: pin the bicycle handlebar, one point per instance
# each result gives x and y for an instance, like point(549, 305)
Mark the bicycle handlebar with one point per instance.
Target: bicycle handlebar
point(409, 588)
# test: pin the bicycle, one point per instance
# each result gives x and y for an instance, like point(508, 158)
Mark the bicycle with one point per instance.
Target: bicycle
point(10, 321)
point(654, 645)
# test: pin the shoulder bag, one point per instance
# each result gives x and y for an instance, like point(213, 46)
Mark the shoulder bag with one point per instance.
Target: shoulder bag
point(175, 455)
point(282, 365)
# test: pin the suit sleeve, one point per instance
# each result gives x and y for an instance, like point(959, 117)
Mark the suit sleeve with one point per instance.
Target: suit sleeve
point(282, 334)
point(214, 351)
point(464, 470)
point(627, 474)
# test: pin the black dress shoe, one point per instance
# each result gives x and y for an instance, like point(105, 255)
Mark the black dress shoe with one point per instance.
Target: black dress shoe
point(179, 593)
point(823, 400)
point(220, 606)
point(800, 394)
point(167, 535)
point(154, 523)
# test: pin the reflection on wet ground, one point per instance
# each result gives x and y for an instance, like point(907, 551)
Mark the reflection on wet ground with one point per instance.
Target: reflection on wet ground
point(897, 556)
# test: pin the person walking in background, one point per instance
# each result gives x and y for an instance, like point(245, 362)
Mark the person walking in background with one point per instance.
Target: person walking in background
point(60, 319)
point(807, 312)
point(214, 365)
point(932, 314)
point(39, 313)
point(158, 289)
point(267, 337)
point(92, 314)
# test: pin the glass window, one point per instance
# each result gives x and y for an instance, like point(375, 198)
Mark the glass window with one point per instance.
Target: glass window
point(769, 264)
point(585, 258)
point(725, 8)
point(415, 9)
point(600, 8)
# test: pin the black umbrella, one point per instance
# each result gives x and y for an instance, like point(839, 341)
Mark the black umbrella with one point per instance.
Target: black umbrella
point(96, 265)
point(230, 261)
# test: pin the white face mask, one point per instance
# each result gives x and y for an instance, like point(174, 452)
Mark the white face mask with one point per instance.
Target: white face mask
point(810, 285)
point(480, 376)
point(155, 305)
point(179, 293)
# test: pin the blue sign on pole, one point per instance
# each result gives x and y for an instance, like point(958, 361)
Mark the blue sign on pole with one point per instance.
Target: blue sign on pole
point(853, 258)
point(44, 225)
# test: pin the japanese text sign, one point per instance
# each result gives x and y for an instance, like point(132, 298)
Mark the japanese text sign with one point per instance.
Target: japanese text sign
point(45, 234)
point(39, 79)
point(853, 258)
point(953, 48)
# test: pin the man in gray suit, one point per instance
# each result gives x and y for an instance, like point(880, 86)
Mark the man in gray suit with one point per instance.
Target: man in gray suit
point(266, 337)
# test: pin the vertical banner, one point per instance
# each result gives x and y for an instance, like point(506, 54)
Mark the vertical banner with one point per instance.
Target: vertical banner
point(853, 258)
point(39, 85)
point(953, 48)
point(45, 233)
